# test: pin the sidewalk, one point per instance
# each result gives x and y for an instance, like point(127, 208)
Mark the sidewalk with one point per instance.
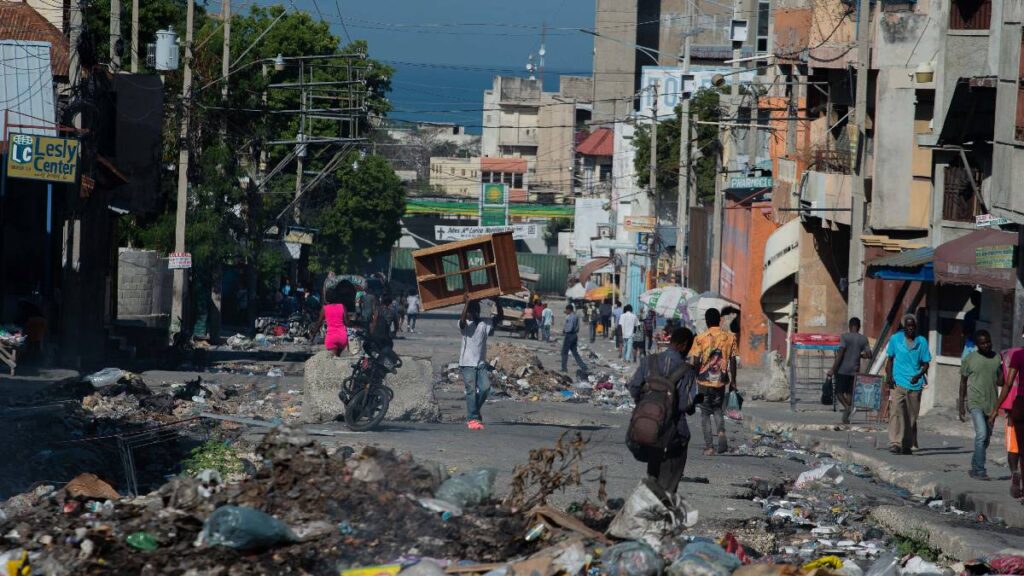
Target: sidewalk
point(939, 469)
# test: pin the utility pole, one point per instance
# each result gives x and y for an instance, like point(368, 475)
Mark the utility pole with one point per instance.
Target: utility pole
point(135, 36)
point(718, 224)
point(178, 295)
point(653, 177)
point(225, 62)
point(302, 146)
point(217, 277)
point(115, 33)
point(854, 279)
point(683, 206)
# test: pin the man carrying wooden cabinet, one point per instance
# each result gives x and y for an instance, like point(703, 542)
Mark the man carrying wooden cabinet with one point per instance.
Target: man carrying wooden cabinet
point(473, 357)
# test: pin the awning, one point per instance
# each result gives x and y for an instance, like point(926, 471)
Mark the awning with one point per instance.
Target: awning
point(591, 267)
point(983, 257)
point(913, 265)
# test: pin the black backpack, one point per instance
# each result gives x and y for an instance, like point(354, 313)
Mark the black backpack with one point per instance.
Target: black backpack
point(654, 417)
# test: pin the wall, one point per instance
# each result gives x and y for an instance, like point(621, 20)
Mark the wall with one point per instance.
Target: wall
point(143, 286)
point(554, 146)
point(879, 296)
point(614, 59)
point(1008, 153)
point(464, 181)
point(821, 305)
point(746, 232)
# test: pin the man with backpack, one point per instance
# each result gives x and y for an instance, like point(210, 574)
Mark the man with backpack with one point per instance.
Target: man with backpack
point(665, 391)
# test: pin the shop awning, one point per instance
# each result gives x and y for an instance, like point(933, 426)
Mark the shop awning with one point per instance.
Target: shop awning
point(591, 267)
point(915, 265)
point(983, 257)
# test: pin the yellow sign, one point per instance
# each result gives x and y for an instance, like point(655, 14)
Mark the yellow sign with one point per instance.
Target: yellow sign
point(43, 158)
point(386, 570)
point(639, 223)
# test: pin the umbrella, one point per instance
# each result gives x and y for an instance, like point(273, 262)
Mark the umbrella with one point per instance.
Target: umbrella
point(576, 292)
point(669, 302)
point(601, 292)
point(703, 302)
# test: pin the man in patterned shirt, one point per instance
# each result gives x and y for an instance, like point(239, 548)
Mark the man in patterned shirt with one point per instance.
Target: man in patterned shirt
point(714, 356)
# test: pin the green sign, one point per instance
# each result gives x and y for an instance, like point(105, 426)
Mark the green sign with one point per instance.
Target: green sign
point(43, 158)
point(750, 182)
point(493, 204)
point(998, 257)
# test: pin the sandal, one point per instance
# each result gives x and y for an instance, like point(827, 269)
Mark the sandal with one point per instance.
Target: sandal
point(709, 451)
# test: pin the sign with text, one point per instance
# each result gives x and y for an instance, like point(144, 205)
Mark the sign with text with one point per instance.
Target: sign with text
point(493, 204)
point(519, 231)
point(750, 182)
point(43, 158)
point(988, 221)
point(1000, 257)
point(672, 85)
point(643, 239)
point(639, 223)
point(179, 261)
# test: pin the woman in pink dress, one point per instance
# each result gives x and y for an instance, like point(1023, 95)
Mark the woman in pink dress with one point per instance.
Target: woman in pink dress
point(333, 313)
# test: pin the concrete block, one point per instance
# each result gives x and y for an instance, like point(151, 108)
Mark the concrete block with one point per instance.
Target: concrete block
point(414, 399)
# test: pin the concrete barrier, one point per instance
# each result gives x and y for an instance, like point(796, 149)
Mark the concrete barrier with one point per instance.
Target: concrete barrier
point(414, 399)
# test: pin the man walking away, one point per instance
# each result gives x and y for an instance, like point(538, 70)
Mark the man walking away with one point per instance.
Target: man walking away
point(594, 318)
point(666, 463)
point(853, 347)
point(473, 358)
point(714, 356)
point(413, 303)
point(616, 314)
point(628, 323)
point(571, 333)
point(906, 368)
point(650, 325)
point(547, 319)
point(981, 375)
point(606, 317)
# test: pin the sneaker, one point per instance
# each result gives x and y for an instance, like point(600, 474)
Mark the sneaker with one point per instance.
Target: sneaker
point(895, 449)
point(978, 475)
point(475, 425)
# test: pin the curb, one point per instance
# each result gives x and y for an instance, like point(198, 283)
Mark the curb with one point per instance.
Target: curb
point(917, 482)
point(957, 542)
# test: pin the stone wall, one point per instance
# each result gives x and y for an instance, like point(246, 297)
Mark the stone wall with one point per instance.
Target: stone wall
point(143, 285)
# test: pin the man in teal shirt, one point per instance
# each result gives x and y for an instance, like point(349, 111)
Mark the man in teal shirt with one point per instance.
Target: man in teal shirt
point(907, 364)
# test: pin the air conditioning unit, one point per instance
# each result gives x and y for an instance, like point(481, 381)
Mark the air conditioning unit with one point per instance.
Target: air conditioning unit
point(738, 30)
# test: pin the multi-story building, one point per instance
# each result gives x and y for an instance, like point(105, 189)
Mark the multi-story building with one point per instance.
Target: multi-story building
point(462, 177)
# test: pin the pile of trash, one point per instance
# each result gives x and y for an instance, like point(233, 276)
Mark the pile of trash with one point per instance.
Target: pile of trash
point(123, 395)
point(519, 372)
point(262, 341)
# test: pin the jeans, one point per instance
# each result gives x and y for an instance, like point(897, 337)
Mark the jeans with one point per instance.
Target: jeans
point(593, 331)
point(545, 330)
point(606, 322)
point(412, 321)
point(478, 387)
point(627, 350)
point(569, 345)
point(712, 420)
point(982, 437)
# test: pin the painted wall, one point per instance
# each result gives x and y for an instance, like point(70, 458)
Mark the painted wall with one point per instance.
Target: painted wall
point(746, 231)
point(821, 305)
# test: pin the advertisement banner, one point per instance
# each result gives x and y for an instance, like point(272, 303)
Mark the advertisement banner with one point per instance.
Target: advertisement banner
point(671, 85)
point(639, 223)
point(519, 231)
point(493, 204)
point(43, 158)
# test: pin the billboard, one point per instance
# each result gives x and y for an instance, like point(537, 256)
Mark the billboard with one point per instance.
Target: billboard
point(670, 85)
point(519, 231)
point(43, 158)
point(493, 204)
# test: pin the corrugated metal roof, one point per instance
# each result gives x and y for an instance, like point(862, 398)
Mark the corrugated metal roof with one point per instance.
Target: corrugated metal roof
point(26, 86)
point(600, 142)
point(19, 21)
point(907, 259)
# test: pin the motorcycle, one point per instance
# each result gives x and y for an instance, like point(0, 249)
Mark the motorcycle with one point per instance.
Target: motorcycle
point(365, 393)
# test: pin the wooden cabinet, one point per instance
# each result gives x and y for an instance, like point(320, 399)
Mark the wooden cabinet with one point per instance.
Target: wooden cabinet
point(483, 267)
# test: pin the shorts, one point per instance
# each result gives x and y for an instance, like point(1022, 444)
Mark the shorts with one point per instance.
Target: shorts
point(1011, 438)
point(844, 384)
point(638, 342)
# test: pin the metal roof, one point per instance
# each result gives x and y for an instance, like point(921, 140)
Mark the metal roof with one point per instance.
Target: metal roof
point(26, 87)
point(907, 259)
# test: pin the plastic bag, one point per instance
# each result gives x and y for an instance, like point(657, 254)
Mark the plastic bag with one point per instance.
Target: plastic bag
point(886, 565)
point(734, 405)
point(704, 558)
point(105, 377)
point(649, 513)
point(468, 489)
point(631, 559)
point(820, 473)
point(244, 528)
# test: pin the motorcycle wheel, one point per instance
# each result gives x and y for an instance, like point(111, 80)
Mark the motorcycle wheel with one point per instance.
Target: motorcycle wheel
point(367, 409)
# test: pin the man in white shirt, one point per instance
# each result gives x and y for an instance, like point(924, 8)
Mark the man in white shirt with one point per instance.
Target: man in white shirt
point(473, 357)
point(628, 323)
point(413, 304)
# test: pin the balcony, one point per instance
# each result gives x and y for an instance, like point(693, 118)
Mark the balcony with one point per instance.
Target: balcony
point(827, 191)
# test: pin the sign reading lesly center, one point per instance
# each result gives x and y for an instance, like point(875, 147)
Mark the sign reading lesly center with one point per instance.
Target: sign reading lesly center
point(43, 158)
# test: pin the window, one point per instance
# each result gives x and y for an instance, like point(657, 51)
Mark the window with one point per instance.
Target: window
point(970, 15)
point(959, 203)
point(763, 19)
point(517, 180)
point(506, 178)
point(954, 302)
point(452, 170)
point(463, 171)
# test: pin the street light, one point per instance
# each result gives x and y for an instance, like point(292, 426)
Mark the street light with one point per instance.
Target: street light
point(279, 62)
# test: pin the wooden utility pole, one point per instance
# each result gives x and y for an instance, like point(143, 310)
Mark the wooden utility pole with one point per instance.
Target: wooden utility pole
point(135, 36)
point(653, 178)
point(721, 176)
point(683, 206)
point(178, 293)
point(115, 33)
point(854, 278)
point(217, 277)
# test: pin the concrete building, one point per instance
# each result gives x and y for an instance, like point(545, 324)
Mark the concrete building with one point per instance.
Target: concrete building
point(462, 177)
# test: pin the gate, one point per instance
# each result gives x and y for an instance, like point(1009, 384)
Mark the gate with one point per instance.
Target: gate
point(811, 357)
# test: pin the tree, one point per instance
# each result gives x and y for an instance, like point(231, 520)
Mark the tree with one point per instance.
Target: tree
point(553, 227)
point(364, 219)
point(705, 151)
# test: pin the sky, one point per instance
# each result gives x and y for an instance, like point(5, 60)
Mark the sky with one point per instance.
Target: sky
point(476, 38)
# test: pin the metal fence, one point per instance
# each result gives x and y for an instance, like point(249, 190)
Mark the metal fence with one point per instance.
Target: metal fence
point(812, 356)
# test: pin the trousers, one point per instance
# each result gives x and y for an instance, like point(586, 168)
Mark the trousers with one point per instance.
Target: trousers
point(904, 407)
point(668, 472)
